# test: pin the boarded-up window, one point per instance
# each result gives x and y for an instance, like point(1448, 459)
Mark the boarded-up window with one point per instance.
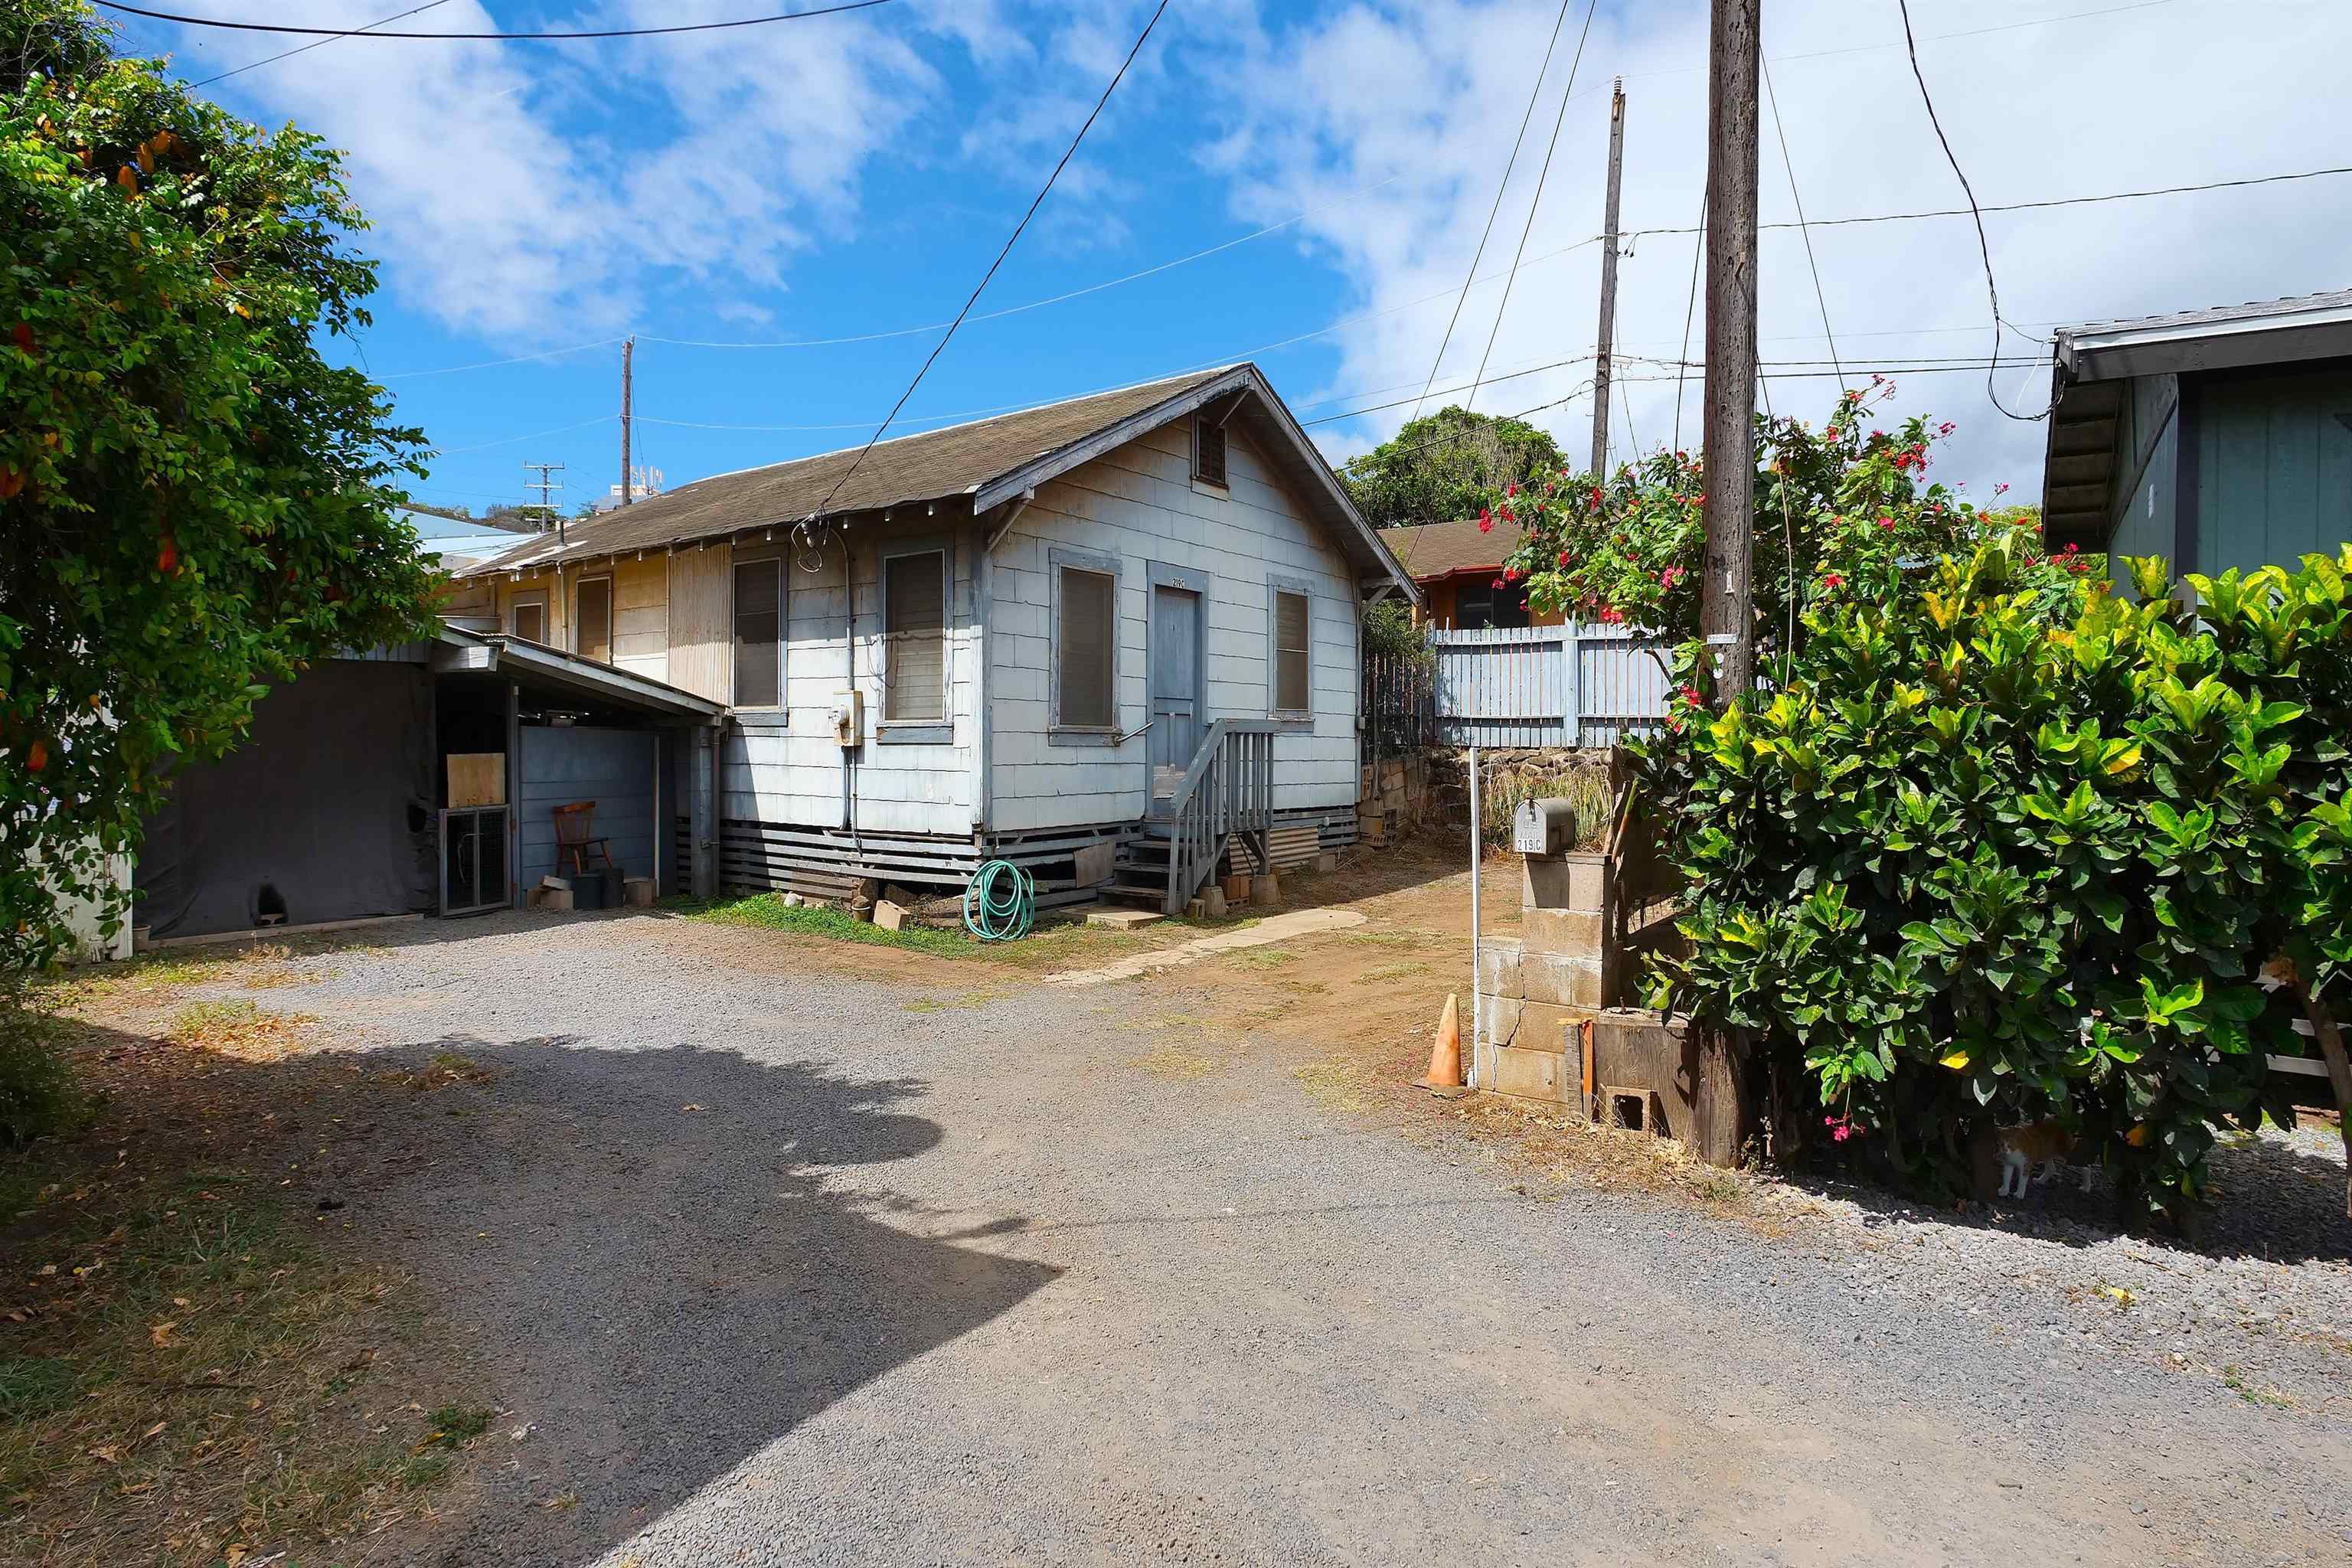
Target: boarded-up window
point(1086, 660)
point(914, 629)
point(529, 619)
point(1208, 450)
point(759, 641)
point(1292, 666)
point(591, 635)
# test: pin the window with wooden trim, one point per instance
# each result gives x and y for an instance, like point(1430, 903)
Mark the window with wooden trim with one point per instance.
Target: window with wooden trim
point(914, 636)
point(527, 618)
point(1085, 651)
point(1293, 663)
point(1208, 450)
point(591, 622)
point(758, 610)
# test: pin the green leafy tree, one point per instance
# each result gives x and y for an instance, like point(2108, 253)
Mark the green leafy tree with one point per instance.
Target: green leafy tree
point(193, 503)
point(1442, 467)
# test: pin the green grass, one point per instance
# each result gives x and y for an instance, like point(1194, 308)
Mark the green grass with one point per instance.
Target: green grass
point(768, 912)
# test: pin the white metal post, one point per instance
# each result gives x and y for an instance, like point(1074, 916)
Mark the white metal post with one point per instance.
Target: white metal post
point(1470, 1077)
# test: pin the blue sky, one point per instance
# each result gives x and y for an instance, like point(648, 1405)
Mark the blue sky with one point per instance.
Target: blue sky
point(850, 176)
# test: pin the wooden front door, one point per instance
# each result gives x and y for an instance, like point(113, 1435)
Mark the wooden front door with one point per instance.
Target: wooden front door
point(1175, 654)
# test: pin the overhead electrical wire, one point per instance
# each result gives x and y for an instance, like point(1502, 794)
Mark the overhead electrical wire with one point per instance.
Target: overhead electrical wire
point(320, 43)
point(1534, 93)
point(485, 38)
point(1542, 177)
point(1984, 246)
point(1789, 167)
point(1038, 201)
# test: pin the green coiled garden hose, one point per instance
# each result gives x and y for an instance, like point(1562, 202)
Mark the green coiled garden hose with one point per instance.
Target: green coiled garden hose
point(1000, 903)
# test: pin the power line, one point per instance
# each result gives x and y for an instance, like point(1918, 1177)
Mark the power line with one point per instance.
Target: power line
point(1984, 246)
point(1542, 176)
point(1055, 299)
point(1789, 167)
point(1978, 210)
point(1071, 151)
point(490, 38)
point(1512, 162)
point(494, 363)
point(323, 43)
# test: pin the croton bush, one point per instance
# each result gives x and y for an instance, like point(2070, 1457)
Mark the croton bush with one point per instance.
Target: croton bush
point(1992, 844)
point(2003, 846)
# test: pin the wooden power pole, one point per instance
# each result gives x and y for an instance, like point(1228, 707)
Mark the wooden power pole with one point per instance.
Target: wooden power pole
point(628, 354)
point(1606, 341)
point(1727, 616)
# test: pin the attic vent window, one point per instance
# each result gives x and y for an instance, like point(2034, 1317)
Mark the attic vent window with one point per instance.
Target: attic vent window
point(1208, 451)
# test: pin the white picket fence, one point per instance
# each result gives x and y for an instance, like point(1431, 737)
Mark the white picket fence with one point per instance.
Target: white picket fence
point(1548, 686)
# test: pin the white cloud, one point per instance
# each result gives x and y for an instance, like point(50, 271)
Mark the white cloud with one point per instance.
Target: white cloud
point(2167, 95)
point(529, 192)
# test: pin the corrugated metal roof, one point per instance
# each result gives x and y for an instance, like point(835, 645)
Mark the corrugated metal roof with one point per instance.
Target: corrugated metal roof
point(2215, 315)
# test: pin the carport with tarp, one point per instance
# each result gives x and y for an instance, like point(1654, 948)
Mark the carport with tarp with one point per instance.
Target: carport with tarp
point(338, 806)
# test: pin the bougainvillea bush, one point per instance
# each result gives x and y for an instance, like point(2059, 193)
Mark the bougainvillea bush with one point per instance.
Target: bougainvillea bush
point(2000, 846)
point(1832, 507)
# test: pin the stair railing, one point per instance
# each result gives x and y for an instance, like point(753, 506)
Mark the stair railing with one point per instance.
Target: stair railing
point(1226, 794)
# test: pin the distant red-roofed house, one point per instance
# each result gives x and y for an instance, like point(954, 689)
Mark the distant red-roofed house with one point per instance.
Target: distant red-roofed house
point(1457, 567)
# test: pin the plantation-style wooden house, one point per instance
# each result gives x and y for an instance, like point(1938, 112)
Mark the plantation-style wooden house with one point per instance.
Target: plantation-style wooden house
point(1118, 631)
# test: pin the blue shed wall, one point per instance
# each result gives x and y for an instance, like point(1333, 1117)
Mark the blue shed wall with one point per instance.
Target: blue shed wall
point(2274, 466)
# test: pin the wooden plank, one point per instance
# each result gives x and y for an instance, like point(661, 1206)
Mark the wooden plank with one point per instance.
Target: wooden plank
point(477, 778)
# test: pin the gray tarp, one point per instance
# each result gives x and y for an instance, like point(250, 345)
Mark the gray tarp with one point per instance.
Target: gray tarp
point(329, 805)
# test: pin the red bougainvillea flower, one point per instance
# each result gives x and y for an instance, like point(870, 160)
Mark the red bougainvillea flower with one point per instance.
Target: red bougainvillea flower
point(1509, 516)
point(1495, 584)
point(1511, 487)
point(1485, 520)
point(1833, 579)
point(1563, 558)
point(1690, 694)
point(1886, 522)
point(2000, 488)
point(167, 556)
point(1946, 428)
point(1510, 573)
point(1841, 1127)
point(1612, 615)
point(1596, 498)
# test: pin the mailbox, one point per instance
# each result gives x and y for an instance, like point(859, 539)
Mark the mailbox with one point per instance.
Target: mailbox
point(1544, 827)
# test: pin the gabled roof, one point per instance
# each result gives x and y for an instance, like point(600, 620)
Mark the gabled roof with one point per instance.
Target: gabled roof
point(455, 650)
point(971, 468)
point(1434, 550)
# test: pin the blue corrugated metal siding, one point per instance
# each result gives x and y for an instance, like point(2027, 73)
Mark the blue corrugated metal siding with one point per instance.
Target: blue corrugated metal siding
point(1546, 685)
point(614, 768)
point(2273, 470)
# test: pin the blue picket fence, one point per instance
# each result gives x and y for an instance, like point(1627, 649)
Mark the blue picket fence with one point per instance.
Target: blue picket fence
point(1548, 686)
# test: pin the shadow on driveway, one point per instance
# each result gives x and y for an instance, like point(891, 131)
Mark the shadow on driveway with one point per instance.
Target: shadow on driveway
point(642, 1252)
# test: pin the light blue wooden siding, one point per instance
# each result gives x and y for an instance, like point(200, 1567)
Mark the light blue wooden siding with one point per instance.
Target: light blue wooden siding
point(1546, 686)
point(794, 773)
point(2273, 470)
point(1139, 504)
point(614, 768)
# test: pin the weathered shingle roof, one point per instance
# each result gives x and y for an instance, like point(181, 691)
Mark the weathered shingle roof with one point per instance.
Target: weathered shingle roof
point(1435, 549)
point(924, 466)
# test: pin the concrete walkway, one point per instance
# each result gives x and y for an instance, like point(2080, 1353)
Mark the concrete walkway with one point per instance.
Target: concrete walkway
point(1266, 932)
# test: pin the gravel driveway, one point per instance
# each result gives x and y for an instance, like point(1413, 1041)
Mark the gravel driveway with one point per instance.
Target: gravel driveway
point(775, 1263)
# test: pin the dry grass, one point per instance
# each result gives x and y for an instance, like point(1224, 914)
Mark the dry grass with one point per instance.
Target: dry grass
point(1176, 1064)
point(241, 1030)
point(1554, 1145)
point(188, 1376)
point(158, 978)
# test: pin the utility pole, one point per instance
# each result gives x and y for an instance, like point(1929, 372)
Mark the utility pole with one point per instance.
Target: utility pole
point(1727, 616)
point(628, 353)
point(1608, 334)
point(547, 484)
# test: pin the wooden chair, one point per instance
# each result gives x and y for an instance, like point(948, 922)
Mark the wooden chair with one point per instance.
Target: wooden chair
point(575, 828)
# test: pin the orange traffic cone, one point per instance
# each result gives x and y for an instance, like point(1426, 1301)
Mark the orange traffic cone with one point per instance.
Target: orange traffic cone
point(1445, 1051)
